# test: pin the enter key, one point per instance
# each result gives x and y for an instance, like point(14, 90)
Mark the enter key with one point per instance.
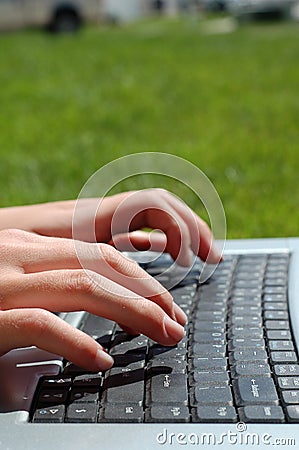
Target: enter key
point(255, 390)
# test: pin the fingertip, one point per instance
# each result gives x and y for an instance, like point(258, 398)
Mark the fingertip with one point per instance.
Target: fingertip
point(185, 258)
point(173, 330)
point(180, 316)
point(103, 360)
point(214, 256)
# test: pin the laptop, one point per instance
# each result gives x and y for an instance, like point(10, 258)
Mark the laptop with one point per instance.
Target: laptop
point(232, 382)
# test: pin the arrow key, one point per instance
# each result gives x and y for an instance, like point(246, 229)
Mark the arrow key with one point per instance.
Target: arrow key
point(52, 414)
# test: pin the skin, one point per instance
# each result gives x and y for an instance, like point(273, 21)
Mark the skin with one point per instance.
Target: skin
point(43, 268)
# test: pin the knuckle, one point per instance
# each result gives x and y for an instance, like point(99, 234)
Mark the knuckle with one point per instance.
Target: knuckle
point(10, 286)
point(113, 257)
point(13, 242)
point(36, 322)
point(81, 281)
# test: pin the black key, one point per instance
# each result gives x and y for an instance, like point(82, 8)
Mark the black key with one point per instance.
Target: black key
point(290, 396)
point(275, 290)
point(279, 281)
point(211, 395)
point(84, 396)
point(246, 309)
point(275, 298)
point(258, 276)
point(130, 361)
point(239, 283)
point(261, 413)
point(205, 378)
point(279, 334)
point(238, 292)
point(250, 369)
point(205, 363)
point(124, 343)
point(124, 387)
point(208, 350)
point(246, 332)
point(182, 297)
point(241, 343)
point(161, 352)
point(73, 369)
point(219, 306)
point(276, 315)
point(281, 345)
point(219, 413)
point(248, 319)
point(209, 316)
point(213, 295)
point(52, 396)
point(51, 414)
point(286, 369)
point(245, 300)
point(215, 325)
point(167, 413)
point(82, 412)
point(208, 337)
point(167, 389)
point(249, 354)
point(257, 390)
point(283, 357)
point(177, 365)
point(59, 382)
point(288, 382)
point(87, 381)
point(182, 291)
point(275, 306)
point(277, 325)
point(292, 412)
point(96, 326)
point(121, 413)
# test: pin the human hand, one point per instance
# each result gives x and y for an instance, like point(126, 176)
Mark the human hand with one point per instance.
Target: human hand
point(115, 219)
point(41, 274)
point(118, 220)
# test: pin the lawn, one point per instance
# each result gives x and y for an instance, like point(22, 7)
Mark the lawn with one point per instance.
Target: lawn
point(227, 102)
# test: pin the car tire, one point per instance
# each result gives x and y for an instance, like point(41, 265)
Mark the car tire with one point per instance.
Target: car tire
point(65, 21)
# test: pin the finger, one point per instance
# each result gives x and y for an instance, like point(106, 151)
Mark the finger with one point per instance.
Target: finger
point(142, 209)
point(140, 240)
point(102, 259)
point(26, 327)
point(127, 329)
point(202, 240)
point(76, 290)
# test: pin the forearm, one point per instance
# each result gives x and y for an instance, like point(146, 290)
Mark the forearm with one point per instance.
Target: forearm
point(52, 219)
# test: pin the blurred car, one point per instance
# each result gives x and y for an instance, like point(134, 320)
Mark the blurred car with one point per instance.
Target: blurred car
point(261, 8)
point(56, 15)
point(214, 5)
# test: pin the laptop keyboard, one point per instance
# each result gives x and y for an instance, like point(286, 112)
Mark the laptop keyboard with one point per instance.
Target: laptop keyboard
point(237, 361)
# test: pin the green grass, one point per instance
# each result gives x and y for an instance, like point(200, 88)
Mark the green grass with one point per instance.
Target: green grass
point(227, 102)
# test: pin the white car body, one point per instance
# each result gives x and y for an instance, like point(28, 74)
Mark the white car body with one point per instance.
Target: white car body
point(247, 7)
point(23, 13)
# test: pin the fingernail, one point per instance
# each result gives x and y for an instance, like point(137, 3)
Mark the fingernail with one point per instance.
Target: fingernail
point(179, 314)
point(187, 258)
point(215, 256)
point(174, 330)
point(103, 360)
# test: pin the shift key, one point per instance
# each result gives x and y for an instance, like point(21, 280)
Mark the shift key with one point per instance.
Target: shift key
point(167, 388)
